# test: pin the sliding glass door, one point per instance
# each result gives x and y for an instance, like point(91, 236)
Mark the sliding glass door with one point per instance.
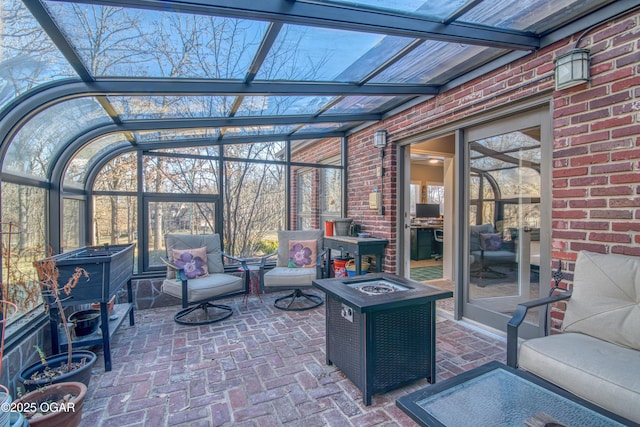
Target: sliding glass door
point(507, 218)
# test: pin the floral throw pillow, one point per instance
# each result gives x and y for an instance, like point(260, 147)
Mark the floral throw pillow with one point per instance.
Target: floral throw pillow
point(192, 261)
point(302, 253)
point(490, 241)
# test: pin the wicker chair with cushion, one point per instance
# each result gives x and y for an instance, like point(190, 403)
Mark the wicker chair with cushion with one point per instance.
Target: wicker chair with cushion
point(196, 275)
point(299, 261)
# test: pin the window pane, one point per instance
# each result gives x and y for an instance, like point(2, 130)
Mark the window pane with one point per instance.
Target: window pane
point(254, 206)
point(331, 193)
point(22, 242)
point(120, 174)
point(39, 141)
point(82, 161)
point(71, 223)
point(180, 175)
point(176, 217)
point(115, 221)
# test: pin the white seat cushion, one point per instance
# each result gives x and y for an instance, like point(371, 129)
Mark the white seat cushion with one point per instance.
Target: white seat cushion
point(598, 371)
point(206, 287)
point(285, 277)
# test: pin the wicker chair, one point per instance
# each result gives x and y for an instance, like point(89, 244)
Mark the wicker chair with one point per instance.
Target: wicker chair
point(197, 281)
point(299, 261)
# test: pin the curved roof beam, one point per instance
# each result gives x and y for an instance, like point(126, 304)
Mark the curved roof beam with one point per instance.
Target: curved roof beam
point(340, 17)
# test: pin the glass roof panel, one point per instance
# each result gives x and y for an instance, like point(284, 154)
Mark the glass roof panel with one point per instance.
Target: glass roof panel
point(29, 57)
point(258, 130)
point(530, 15)
point(322, 54)
point(365, 104)
point(281, 105)
point(95, 150)
point(114, 41)
point(438, 9)
point(170, 135)
point(322, 127)
point(41, 138)
point(167, 107)
point(436, 62)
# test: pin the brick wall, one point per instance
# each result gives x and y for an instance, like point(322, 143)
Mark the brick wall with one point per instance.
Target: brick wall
point(596, 154)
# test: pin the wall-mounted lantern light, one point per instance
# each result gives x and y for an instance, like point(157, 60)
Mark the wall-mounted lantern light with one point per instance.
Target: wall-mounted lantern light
point(380, 139)
point(572, 68)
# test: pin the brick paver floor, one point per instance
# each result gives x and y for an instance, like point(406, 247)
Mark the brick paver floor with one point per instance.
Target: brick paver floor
point(260, 367)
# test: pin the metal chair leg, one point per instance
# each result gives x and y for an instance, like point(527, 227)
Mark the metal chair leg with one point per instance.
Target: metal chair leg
point(297, 294)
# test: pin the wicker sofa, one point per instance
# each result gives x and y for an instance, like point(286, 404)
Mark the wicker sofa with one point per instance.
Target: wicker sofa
point(597, 357)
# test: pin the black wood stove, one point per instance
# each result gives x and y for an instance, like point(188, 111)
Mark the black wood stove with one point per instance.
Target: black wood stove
point(380, 330)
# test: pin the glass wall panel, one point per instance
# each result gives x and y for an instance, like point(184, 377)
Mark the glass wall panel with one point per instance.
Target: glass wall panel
point(120, 174)
point(40, 139)
point(22, 243)
point(72, 219)
point(256, 151)
point(115, 221)
point(29, 58)
point(128, 42)
point(254, 207)
point(180, 175)
point(167, 107)
point(176, 217)
point(330, 194)
point(80, 165)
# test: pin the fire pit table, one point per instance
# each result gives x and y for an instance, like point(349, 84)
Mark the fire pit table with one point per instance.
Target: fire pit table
point(381, 330)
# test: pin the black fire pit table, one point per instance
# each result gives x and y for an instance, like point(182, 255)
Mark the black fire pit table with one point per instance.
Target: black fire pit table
point(381, 330)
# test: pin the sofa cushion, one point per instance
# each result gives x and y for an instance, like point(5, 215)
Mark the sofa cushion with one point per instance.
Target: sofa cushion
point(605, 302)
point(595, 370)
point(286, 277)
point(204, 288)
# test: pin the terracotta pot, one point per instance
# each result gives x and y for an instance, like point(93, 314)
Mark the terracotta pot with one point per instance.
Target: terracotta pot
point(82, 374)
point(69, 416)
point(110, 305)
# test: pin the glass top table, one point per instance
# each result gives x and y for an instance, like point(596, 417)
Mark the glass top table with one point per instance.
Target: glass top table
point(498, 395)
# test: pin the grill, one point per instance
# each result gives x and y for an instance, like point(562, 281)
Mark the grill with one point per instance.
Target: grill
point(380, 331)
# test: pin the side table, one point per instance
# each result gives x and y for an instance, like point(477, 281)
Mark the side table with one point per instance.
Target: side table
point(254, 282)
point(358, 246)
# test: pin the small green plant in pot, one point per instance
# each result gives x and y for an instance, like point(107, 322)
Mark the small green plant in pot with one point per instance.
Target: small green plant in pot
point(64, 367)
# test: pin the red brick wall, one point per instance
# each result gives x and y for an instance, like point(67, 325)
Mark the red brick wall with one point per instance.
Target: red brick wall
point(596, 159)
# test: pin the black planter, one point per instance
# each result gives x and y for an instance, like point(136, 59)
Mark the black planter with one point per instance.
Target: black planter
point(82, 374)
point(86, 322)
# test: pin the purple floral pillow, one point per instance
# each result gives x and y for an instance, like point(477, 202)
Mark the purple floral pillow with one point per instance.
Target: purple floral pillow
point(192, 261)
point(302, 253)
point(490, 241)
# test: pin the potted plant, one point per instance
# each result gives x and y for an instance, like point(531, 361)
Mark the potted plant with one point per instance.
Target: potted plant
point(55, 405)
point(70, 366)
point(7, 310)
